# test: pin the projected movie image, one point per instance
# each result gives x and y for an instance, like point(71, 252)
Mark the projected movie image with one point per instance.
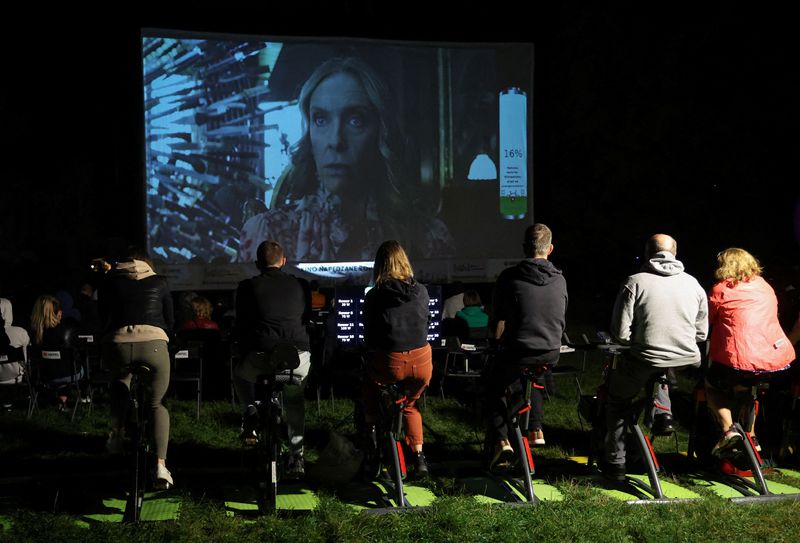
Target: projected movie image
point(331, 148)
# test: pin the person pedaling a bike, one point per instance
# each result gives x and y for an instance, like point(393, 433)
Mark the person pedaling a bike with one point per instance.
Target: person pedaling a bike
point(137, 307)
point(395, 332)
point(530, 305)
point(270, 310)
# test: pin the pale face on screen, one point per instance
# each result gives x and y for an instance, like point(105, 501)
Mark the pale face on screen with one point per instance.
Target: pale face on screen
point(343, 131)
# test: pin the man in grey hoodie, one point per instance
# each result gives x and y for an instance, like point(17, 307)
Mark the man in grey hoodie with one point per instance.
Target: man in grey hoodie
point(662, 314)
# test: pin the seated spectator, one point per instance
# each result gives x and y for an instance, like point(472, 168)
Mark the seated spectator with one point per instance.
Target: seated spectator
point(318, 299)
point(454, 302)
point(51, 331)
point(16, 337)
point(201, 316)
point(68, 309)
point(473, 312)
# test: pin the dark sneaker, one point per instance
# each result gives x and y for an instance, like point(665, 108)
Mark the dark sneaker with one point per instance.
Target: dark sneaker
point(613, 472)
point(296, 467)
point(249, 433)
point(730, 441)
point(114, 444)
point(419, 465)
point(663, 425)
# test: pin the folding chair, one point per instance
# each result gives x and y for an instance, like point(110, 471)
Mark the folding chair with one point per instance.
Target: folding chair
point(187, 367)
point(463, 361)
point(569, 370)
point(96, 374)
point(55, 370)
point(13, 360)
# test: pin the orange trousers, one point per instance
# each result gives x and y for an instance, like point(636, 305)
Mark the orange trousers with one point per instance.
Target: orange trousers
point(413, 370)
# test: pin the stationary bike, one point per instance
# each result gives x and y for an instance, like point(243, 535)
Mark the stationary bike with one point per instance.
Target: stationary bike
point(593, 410)
point(386, 443)
point(137, 425)
point(741, 461)
point(517, 418)
point(269, 464)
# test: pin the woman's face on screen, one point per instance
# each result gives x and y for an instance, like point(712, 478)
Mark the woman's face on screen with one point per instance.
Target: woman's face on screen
point(343, 130)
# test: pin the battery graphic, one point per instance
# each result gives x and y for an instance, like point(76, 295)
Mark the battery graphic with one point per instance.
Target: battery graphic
point(513, 154)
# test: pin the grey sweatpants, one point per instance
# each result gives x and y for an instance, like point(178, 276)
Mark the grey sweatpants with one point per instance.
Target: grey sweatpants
point(122, 357)
point(625, 382)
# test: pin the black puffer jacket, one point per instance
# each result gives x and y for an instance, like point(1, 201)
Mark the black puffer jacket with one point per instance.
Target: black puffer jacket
point(531, 298)
point(396, 316)
point(133, 294)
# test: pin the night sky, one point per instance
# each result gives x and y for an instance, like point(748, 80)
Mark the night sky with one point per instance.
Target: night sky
point(674, 121)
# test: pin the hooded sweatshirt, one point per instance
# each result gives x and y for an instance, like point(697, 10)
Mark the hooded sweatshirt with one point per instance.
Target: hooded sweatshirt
point(396, 316)
point(17, 337)
point(137, 303)
point(662, 313)
point(531, 298)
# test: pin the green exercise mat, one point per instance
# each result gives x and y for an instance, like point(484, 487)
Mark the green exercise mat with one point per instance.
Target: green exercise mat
point(788, 472)
point(671, 490)
point(718, 488)
point(163, 505)
point(417, 496)
point(491, 490)
point(778, 488)
point(726, 491)
point(291, 497)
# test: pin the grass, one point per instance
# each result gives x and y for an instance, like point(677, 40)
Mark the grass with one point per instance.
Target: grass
point(50, 447)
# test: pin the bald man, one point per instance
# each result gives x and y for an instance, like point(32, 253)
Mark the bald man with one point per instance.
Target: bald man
point(662, 314)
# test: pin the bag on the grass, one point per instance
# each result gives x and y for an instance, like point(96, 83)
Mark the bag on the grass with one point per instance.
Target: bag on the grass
point(338, 463)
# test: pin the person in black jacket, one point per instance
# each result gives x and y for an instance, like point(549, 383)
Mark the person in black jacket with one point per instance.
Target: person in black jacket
point(530, 305)
point(396, 333)
point(270, 311)
point(137, 306)
point(52, 331)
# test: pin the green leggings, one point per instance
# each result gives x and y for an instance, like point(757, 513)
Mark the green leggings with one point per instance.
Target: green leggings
point(153, 354)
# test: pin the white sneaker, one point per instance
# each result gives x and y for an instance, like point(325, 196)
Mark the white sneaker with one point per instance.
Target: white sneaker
point(163, 477)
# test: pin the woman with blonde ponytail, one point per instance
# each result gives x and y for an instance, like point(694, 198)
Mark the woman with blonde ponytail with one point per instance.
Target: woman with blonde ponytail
point(53, 333)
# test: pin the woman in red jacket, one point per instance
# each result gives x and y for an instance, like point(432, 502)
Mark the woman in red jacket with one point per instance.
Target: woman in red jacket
point(747, 343)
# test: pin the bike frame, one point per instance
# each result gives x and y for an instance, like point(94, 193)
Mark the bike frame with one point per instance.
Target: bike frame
point(269, 445)
point(392, 402)
point(139, 419)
